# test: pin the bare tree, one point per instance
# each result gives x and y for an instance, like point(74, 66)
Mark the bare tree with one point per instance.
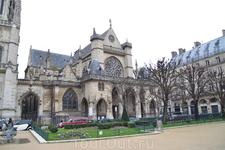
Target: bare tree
point(180, 93)
point(125, 86)
point(195, 83)
point(154, 94)
point(217, 88)
point(164, 76)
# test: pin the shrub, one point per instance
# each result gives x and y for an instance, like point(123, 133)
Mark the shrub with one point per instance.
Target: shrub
point(124, 115)
point(131, 124)
point(54, 129)
point(188, 121)
point(141, 122)
point(50, 126)
point(104, 125)
point(124, 124)
point(154, 123)
point(75, 126)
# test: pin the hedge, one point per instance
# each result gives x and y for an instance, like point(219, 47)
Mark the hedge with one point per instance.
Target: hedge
point(106, 125)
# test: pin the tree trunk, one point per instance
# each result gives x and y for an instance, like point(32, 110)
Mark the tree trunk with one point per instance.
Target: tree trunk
point(196, 111)
point(165, 113)
point(223, 111)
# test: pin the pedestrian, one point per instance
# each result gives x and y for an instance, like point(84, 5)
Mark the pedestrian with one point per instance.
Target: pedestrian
point(10, 123)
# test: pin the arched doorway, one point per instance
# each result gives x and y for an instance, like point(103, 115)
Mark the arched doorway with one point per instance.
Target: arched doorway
point(101, 109)
point(152, 109)
point(30, 107)
point(177, 107)
point(84, 108)
point(115, 103)
point(142, 100)
point(129, 102)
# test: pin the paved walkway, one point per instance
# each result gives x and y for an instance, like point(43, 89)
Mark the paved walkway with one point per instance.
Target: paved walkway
point(199, 137)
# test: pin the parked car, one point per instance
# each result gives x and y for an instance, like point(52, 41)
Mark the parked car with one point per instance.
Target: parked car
point(23, 125)
point(104, 120)
point(176, 116)
point(3, 125)
point(77, 120)
point(133, 119)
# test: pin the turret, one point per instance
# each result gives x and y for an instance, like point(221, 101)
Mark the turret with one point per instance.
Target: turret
point(128, 59)
point(97, 48)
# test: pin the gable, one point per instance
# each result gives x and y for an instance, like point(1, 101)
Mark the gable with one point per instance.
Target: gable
point(111, 40)
point(68, 74)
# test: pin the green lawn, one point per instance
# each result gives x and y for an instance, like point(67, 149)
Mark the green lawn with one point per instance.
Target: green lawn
point(117, 132)
point(96, 133)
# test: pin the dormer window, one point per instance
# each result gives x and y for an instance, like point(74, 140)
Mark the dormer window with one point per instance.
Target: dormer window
point(217, 59)
point(188, 59)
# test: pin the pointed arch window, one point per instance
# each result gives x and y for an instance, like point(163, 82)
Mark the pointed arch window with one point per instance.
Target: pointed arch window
point(1, 6)
point(70, 100)
point(101, 86)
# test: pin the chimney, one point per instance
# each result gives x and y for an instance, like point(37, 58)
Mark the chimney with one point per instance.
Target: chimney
point(174, 53)
point(223, 32)
point(181, 51)
point(197, 43)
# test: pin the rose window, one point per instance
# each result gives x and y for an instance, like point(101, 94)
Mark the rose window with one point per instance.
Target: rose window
point(113, 67)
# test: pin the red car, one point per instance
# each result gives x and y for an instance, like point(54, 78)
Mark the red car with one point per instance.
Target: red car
point(77, 120)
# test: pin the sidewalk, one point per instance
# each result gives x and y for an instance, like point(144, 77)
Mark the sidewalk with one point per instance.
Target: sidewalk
point(204, 137)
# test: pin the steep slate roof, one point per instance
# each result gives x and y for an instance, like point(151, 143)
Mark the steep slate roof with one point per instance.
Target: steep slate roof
point(57, 60)
point(95, 68)
point(202, 51)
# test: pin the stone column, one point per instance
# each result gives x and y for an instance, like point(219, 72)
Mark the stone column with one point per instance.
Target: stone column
point(109, 111)
point(91, 114)
point(189, 109)
point(120, 111)
point(138, 110)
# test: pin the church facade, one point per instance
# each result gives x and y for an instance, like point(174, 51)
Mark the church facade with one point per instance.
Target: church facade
point(95, 81)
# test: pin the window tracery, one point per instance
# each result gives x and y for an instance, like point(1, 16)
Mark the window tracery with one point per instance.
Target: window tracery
point(113, 67)
point(69, 100)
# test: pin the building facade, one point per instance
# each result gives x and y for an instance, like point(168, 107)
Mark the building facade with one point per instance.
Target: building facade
point(95, 81)
point(210, 55)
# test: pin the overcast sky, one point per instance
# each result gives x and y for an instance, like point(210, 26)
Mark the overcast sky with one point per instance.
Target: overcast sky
point(154, 27)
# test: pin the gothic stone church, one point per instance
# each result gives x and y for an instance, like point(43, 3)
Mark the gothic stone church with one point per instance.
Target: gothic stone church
point(87, 83)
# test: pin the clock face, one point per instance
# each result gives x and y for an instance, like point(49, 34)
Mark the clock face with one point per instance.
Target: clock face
point(111, 38)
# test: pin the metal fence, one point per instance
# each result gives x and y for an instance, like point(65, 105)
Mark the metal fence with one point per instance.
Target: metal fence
point(41, 132)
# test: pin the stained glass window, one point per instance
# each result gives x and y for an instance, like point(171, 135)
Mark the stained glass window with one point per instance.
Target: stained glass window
point(70, 100)
point(113, 67)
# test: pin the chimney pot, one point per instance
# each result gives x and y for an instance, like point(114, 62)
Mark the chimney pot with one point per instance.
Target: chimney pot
point(223, 31)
